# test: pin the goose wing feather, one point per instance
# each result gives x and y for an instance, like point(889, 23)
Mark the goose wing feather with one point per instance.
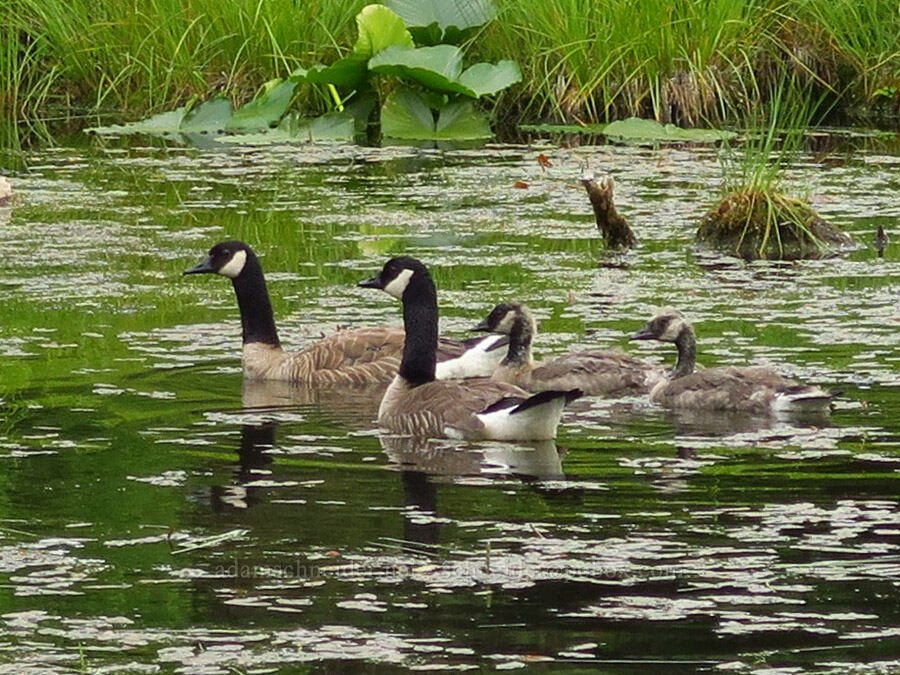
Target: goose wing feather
point(429, 409)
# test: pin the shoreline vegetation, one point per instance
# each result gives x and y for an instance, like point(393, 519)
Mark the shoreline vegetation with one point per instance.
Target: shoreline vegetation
point(693, 63)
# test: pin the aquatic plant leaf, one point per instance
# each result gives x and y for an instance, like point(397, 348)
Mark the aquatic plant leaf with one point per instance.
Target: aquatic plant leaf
point(379, 28)
point(405, 115)
point(333, 126)
point(208, 117)
point(266, 109)
point(163, 123)
point(435, 67)
point(460, 121)
point(564, 128)
point(433, 21)
point(637, 129)
point(489, 78)
point(361, 107)
point(347, 73)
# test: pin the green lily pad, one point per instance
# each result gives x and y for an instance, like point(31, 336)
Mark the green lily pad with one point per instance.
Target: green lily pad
point(435, 67)
point(487, 78)
point(564, 128)
point(637, 129)
point(434, 21)
point(330, 127)
point(379, 28)
point(208, 117)
point(406, 116)
point(347, 73)
point(163, 123)
point(439, 68)
point(266, 109)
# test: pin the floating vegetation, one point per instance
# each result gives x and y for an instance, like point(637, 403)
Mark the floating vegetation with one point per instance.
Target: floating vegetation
point(767, 224)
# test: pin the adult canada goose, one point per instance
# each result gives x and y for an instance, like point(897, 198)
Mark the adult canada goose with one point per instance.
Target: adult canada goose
point(353, 356)
point(415, 403)
point(754, 390)
point(595, 372)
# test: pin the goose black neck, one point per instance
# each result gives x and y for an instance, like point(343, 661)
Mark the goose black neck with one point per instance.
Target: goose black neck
point(520, 335)
point(420, 322)
point(687, 352)
point(257, 319)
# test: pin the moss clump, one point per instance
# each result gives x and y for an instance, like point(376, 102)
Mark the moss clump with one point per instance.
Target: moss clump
point(757, 224)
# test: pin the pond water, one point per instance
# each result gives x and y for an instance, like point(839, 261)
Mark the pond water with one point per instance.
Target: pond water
point(157, 515)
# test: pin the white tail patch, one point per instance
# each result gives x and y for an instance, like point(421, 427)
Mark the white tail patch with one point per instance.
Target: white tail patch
point(537, 423)
point(808, 400)
point(235, 266)
point(399, 284)
point(475, 362)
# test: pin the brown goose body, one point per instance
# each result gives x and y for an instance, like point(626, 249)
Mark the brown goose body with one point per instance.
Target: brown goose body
point(595, 372)
point(351, 356)
point(753, 390)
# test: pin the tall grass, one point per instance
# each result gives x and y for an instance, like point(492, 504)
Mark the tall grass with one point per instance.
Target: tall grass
point(151, 54)
point(686, 61)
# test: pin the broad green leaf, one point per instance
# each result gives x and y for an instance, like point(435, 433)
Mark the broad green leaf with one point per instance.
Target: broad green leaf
point(346, 73)
point(435, 67)
point(564, 128)
point(443, 20)
point(379, 28)
point(406, 116)
point(266, 109)
point(163, 123)
point(487, 78)
point(361, 107)
point(638, 129)
point(293, 129)
point(208, 117)
point(460, 121)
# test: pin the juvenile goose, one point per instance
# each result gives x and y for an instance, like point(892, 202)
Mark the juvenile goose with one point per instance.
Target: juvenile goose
point(595, 372)
point(753, 390)
point(355, 356)
point(415, 403)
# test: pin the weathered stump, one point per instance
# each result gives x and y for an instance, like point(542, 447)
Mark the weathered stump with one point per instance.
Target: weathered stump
point(614, 228)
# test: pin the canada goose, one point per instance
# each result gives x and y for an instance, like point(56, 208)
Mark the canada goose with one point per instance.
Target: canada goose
point(754, 390)
point(417, 404)
point(353, 356)
point(596, 372)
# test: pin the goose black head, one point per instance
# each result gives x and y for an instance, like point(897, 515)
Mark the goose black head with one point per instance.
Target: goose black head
point(502, 318)
point(227, 258)
point(665, 327)
point(396, 275)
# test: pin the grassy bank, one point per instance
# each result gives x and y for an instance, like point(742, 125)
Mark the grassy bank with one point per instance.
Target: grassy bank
point(686, 61)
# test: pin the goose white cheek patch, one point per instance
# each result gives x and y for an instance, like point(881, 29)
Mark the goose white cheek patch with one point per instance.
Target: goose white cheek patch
point(234, 266)
point(399, 284)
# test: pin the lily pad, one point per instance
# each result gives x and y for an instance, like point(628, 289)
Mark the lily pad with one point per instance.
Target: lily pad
point(433, 21)
point(638, 129)
point(379, 28)
point(163, 123)
point(440, 68)
point(347, 73)
point(208, 117)
point(487, 78)
point(436, 67)
point(564, 128)
point(406, 116)
point(333, 127)
point(266, 109)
